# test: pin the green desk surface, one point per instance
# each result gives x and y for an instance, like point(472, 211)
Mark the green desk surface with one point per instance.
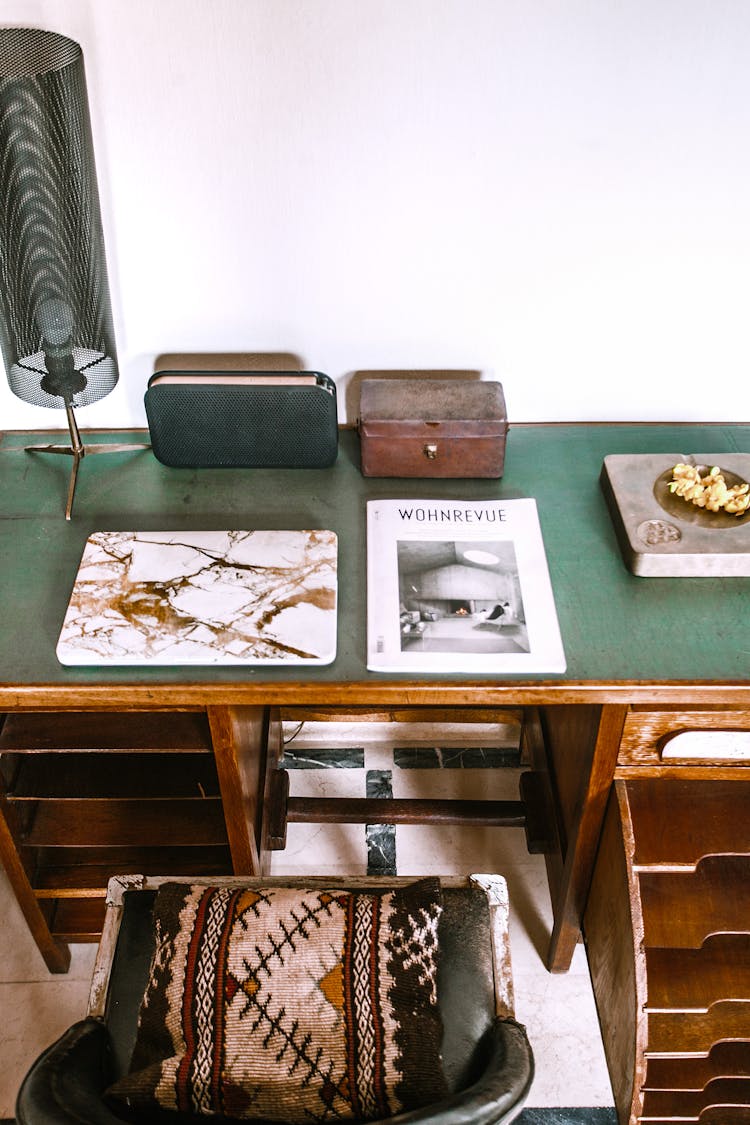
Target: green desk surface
point(615, 627)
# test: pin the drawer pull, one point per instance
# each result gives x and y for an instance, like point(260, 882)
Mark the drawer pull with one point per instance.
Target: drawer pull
point(708, 746)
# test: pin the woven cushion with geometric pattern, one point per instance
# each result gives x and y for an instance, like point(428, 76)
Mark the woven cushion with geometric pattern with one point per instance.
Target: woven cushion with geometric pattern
point(290, 1005)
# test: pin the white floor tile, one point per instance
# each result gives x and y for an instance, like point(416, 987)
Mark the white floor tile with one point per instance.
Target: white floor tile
point(560, 1018)
point(322, 850)
point(35, 1014)
point(20, 960)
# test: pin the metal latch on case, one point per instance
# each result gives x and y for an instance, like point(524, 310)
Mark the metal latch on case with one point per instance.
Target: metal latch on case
point(430, 450)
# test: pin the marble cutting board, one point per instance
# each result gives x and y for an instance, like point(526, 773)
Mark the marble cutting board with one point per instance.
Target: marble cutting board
point(203, 597)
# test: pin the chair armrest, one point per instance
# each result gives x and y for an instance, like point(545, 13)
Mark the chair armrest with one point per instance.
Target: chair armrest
point(497, 1096)
point(65, 1084)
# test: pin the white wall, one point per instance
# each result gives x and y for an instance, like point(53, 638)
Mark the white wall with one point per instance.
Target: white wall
point(553, 192)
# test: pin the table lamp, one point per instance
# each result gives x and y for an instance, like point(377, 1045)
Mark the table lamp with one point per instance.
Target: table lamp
point(56, 332)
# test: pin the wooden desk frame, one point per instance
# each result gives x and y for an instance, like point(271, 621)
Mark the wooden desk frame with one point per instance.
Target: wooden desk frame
point(573, 743)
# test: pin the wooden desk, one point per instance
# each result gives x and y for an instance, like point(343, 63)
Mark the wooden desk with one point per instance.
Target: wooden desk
point(680, 647)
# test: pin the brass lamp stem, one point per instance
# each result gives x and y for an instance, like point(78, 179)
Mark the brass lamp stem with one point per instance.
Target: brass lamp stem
point(78, 451)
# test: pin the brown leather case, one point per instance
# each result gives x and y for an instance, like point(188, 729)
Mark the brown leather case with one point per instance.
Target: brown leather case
point(432, 428)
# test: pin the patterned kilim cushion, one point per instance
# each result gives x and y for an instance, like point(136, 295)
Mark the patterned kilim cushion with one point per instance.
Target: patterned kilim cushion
point(290, 1005)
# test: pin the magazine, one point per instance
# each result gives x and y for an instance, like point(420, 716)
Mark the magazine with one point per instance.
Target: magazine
point(458, 586)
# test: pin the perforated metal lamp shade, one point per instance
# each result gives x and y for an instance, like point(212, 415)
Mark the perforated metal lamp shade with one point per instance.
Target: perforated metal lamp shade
point(56, 332)
point(58, 341)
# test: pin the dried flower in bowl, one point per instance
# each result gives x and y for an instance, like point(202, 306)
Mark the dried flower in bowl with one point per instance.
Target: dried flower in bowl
point(710, 490)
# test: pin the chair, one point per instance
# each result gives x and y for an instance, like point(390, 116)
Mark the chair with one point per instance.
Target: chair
point(487, 1059)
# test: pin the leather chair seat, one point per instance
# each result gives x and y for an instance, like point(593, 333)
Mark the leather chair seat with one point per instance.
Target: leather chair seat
point(487, 1059)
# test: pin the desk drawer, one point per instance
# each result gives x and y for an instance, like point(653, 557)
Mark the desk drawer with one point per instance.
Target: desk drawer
point(676, 822)
point(682, 909)
point(695, 979)
point(686, 1106)
point(674, 993)
point(675, 1034)
point(726, 1059)
point(648, 737)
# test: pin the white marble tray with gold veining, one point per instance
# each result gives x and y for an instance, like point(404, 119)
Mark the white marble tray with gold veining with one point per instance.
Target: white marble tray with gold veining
point(203, 597)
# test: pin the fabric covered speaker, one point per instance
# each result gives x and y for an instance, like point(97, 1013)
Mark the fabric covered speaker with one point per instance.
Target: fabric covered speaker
point(252, 420)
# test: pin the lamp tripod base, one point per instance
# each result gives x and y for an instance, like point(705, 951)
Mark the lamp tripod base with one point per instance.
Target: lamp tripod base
point(78, 451)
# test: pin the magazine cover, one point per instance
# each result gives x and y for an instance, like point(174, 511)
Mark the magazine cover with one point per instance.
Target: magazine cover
point(458, 586)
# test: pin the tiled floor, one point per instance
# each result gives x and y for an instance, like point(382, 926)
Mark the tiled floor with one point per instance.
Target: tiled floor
point(364, 760)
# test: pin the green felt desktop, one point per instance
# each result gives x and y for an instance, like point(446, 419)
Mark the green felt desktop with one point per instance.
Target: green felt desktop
point(615, 626)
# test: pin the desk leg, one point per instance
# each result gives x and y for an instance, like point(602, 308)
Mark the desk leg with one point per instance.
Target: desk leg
point(56, 953)
point(580, 753)
point(239, 736)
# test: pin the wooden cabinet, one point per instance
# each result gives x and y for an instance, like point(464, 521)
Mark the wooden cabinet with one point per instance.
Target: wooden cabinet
point(667, 925)
point(85, 795)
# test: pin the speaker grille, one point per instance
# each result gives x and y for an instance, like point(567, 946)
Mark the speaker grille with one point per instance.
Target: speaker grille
point(204, 426)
